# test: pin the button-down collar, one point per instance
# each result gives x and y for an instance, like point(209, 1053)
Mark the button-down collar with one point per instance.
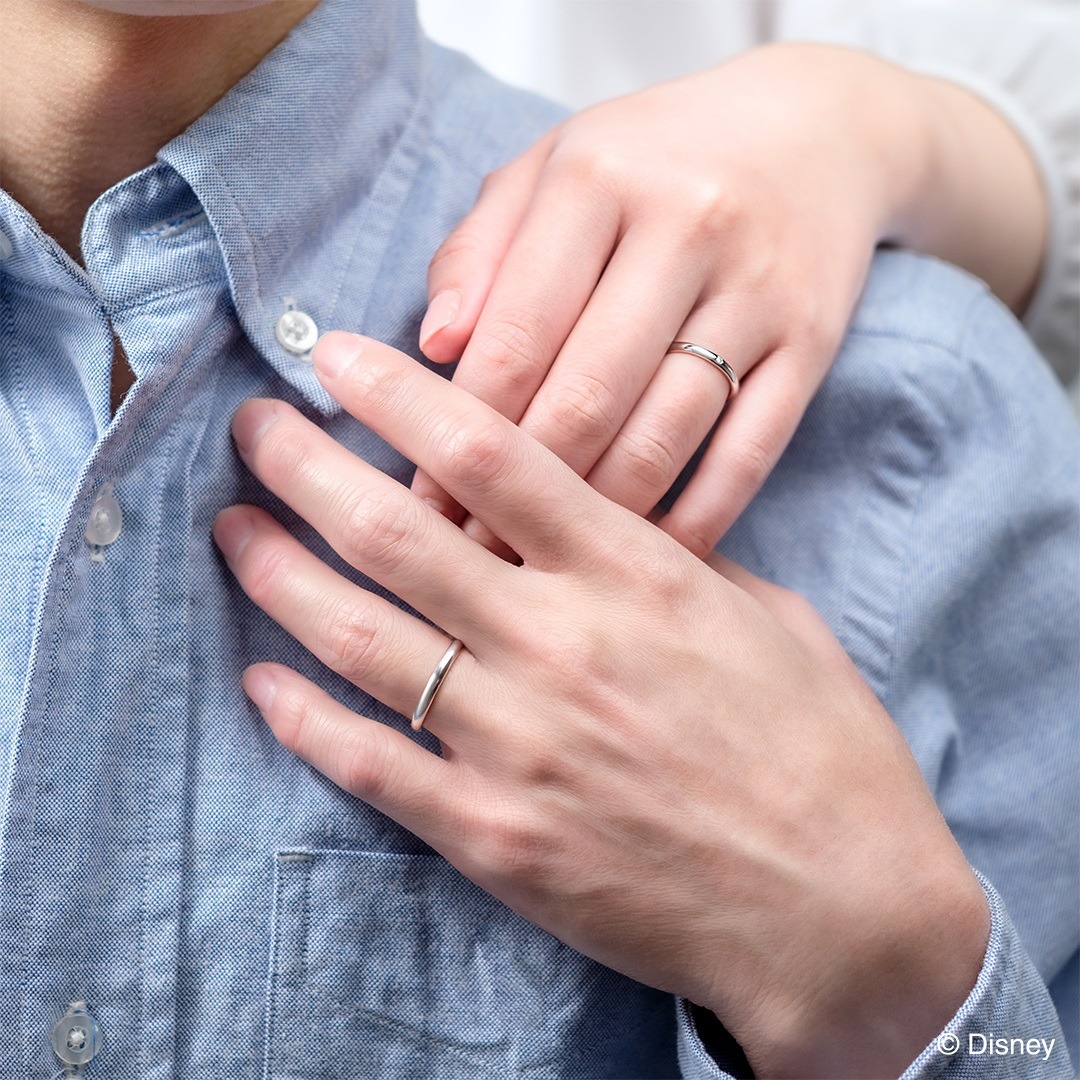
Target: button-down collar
point(302, 199)
point(302, 191)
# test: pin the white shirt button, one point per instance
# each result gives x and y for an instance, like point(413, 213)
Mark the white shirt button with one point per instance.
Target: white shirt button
point(296, 330)
point(76, 1037)
point(106, 520)
point(6, 250)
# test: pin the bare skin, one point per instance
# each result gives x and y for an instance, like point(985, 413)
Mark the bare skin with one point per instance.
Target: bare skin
point(79, 68)
point(759, 220)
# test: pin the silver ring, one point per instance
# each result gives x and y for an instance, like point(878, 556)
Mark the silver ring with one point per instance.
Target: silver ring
point(715, 359)
point(427, 696)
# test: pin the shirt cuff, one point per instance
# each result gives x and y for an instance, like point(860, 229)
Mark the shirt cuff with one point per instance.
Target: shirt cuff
point(1007, 1026)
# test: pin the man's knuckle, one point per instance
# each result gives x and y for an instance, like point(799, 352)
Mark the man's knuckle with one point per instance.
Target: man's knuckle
point(298, 719)
point(515, 846)
point(476, 455)
point(370, 764)
point(354, 640)
point(285, 454)
point(584, 664)
point(669, 587)
point(266, 573)
point(542, 762)
point(380, 528)
point(380, 384)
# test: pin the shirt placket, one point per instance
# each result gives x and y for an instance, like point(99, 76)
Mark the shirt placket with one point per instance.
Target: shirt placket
point(93, 837)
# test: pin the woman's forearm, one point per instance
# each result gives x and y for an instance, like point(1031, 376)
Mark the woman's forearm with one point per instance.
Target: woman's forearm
point(981, 203)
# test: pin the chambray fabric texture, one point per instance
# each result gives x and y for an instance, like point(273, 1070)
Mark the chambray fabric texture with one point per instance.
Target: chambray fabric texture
point(223, 909)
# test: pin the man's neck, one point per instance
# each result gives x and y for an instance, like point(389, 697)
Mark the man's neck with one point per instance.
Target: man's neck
point(88, 97)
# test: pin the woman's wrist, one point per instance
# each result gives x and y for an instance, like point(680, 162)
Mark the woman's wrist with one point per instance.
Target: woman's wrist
point(942, 172)
point(978, 200)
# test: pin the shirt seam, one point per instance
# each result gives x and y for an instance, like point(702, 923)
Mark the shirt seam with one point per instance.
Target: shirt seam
point(878, 666)
point(906, 565)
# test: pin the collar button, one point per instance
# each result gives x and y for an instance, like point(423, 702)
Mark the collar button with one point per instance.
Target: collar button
point(296, 330)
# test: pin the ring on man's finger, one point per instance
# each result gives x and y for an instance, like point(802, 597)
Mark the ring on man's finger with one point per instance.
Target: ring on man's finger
point(713, 358)
point(431, 688)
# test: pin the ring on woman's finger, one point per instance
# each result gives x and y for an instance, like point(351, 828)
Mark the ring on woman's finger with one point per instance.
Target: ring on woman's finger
point(713, 358)
point(431, 688)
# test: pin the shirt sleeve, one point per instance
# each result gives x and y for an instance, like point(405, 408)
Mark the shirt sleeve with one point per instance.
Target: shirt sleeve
point(1019, 56)
point(1009, 1001)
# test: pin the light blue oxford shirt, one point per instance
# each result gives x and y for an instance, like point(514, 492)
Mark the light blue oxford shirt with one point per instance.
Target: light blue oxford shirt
point(218, 907)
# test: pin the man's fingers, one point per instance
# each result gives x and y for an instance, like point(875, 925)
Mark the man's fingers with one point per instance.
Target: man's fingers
point(755, 429)
point(371, 760)
point(462, 269)
point(371, 520)
point(524, 494)
point(385, 651)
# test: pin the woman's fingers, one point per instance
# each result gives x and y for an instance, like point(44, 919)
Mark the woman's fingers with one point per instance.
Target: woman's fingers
point(371, 520)
point(674, 415)
point(679, 407)
point(614, 351)
point(525, 495)
point(542, 286)
point(462, 270)
point(755, 430)
point(607, 393)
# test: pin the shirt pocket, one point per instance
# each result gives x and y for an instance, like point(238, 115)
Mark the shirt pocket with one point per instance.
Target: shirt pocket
point(389, 965)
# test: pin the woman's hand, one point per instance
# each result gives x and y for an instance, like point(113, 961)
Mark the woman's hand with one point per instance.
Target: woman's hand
point(738, 209)
point(678, 774)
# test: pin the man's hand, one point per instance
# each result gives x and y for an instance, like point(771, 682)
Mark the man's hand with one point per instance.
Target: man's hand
point(677, 772)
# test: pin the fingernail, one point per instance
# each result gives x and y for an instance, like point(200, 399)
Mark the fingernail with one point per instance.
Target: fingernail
point(251, 421)
point(441, 312)
point(232, 530)
point(260, 684)
point(335, 353)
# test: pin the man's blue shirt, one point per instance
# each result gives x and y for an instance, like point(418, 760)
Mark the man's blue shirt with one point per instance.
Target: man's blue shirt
point(224, 910)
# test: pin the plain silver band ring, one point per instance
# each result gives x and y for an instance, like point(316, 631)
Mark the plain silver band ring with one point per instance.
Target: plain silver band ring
point(713, 358)
point(427, 696)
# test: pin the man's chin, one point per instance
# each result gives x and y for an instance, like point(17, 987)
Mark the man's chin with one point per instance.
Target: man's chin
point(173, 7)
